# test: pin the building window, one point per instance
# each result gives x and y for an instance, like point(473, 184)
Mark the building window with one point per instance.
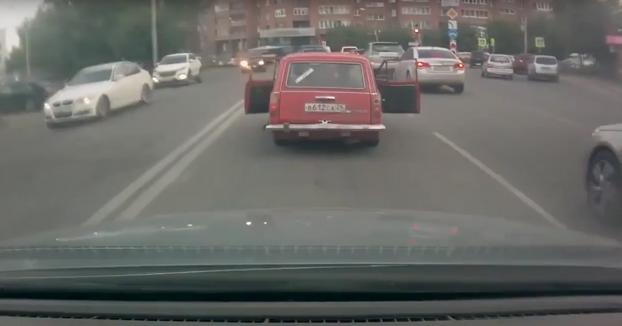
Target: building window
point(301, 11)
point(470, 13)
point(326, 24)
point(413, 24)
point(279, 13)
point(334, 10)
point(221, 8)
point(416, 10)
point(357, 12)
point(393, 13)
point(475, 2)
point(542, 6)
point(375, 17)
point(506, 11)
point(375, 4)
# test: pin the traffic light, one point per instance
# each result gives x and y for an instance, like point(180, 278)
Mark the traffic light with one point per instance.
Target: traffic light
point(416, 29)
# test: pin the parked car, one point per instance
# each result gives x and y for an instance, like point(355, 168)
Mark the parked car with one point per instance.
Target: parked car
point(314, 48)
point(477, 59)
point(179, 68)
point(521, 61)
point(498, 65)
point(543, 67)
point(378, 52)
point(18, 96)
point(603, 173)
point(464, 56)
point(350, 49)
point(432, 67)
point(328, 96)
point(95, 91)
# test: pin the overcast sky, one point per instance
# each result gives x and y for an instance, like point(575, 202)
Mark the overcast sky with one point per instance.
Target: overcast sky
point(13, 13)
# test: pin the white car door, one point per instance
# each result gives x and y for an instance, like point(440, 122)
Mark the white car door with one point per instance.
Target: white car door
point(135, 82)
point(118, 94)
point(406, 65)
point(195, 65)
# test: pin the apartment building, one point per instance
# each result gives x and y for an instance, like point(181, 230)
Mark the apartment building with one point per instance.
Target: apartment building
point(233, 25)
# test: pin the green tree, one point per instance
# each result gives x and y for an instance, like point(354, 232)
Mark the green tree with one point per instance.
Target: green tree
point(66, 35)
point(508, 36)
point(342, 36)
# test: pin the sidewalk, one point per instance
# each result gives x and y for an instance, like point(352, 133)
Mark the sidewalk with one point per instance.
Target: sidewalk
point(605, 87)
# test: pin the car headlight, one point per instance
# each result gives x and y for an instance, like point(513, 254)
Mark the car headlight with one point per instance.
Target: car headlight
point(261, 62)
point(182, 76)
point(155, 80)
point(84, 100)
point(243, 63)
point(47, 106)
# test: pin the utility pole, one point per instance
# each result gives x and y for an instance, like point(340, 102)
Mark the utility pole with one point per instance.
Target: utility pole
point(154, 33)
point(27, 45)
point(524, 28)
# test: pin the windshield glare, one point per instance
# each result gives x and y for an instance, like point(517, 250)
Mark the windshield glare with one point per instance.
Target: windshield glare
point(91, 75)
point(381, 48)
point(546, 60)
point(482, 139)
point(436, 54)
point(173, 59)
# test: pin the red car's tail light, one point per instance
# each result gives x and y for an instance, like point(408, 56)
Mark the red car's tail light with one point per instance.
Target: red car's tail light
point(459, 65)
point(376, 108)
point(422, 65)
point(274, 104)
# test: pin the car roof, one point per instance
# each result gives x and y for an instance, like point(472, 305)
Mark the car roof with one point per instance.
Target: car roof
point(545, 56)
point(176, 54)
point(108, 65)
point(323, 56)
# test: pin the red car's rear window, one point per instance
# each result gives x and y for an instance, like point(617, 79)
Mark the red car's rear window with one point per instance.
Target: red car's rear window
point(325, 74)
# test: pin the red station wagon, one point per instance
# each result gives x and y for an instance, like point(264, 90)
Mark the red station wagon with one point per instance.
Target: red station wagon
point(328, 96)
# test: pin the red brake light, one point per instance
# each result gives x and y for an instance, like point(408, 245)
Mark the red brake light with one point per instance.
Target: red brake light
point(459, 65)
point(274, 104)
point(422, 64)
point(490, 66)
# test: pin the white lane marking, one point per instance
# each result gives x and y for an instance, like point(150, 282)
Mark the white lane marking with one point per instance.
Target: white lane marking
point(135, 186)
point(151, 193)
point(507, 185)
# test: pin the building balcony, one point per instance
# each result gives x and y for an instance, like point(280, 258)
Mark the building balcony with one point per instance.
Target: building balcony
point(286, 32)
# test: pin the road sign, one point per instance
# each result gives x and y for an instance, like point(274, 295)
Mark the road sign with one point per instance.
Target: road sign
point(453, 46)
point(539, 42)
point(481, 42)
point(492, 41)
point(452, 33)
point(452, 24)
point(452, 13)
point(450, 3)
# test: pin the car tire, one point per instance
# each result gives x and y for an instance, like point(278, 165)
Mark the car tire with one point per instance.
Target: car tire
point(458, 89)
point(51, 125)
point(371, 142)
point(281, 142)
point(102, 108)
point(484, 75)
point(604, 196)
point(198, 78)
point(146, 95)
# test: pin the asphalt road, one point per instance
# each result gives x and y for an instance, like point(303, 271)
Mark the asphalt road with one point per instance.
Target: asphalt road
point(504, 149)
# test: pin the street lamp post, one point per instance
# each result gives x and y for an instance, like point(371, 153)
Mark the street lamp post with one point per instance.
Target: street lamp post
point(27, 46)
point(154, 33)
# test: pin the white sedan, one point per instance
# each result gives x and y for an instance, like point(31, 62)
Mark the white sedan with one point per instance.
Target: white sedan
point(432, 67)
point(94, 91)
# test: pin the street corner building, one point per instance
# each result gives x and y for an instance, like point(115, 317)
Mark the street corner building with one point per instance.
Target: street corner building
point(230, 26)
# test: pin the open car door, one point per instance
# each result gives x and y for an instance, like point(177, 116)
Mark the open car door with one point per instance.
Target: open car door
point(399, 96)
point(257, 95)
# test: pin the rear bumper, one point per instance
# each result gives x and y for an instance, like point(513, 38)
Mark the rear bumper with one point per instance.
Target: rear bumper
point(323, 127)
point(500, 72)
point(455, 78)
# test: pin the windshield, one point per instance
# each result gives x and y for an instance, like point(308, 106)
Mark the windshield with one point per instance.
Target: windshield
point(173, 59)
point(336, 75)
point(383, 48)
point(91, 75)
point(500, 59)
point(184, 133)
point(546, 60)
point(435, 54)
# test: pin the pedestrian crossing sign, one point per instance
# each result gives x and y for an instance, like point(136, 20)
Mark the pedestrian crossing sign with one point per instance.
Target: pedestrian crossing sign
point(539, 42)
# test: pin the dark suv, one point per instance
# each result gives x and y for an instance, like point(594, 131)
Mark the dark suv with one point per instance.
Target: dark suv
point(477, 59)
